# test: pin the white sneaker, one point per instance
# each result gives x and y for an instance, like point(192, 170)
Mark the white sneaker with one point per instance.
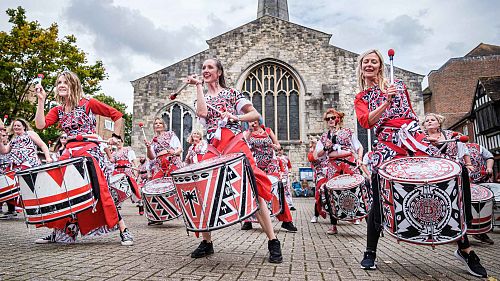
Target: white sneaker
point(356, 222)
point(314, 219)
point(46, 240)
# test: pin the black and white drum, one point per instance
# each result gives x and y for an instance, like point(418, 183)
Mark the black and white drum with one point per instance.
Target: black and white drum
point(347, 197)
point(482, 209)
point(495, 188)
point(160, 200)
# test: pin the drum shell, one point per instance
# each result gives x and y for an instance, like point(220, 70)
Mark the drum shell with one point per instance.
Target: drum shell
point(347, 202)
point(217, 192)
point(426, 207)
point(495, 188)
point(482, 209)
point(120, 187)
point(162, 204)
point(8, 187)
point(57, 190)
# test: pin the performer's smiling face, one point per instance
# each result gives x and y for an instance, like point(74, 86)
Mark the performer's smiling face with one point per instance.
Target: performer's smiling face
point(159, 125)
point(18, 128)
point(196, 137)
point(63, 88)
point(254, 124)
point(431, 122)
point(370, 66)
point(210, 71)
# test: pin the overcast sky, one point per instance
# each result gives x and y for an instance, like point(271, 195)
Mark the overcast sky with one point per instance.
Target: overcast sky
point(137, 37)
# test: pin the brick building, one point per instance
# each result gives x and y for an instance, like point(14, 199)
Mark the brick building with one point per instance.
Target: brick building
point(452, 87)
point(290, 72)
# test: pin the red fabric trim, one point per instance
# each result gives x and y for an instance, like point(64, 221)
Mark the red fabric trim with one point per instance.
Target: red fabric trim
point(103, 109)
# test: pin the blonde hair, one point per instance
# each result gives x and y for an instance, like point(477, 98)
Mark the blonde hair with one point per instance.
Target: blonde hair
point(75, 90)
point(440, 118)
point(162, 121)
point(26, 125)
point(195, 131)
point(382, 81)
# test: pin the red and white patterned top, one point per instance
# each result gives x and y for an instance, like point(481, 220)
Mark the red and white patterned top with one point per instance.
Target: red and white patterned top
point(343, 137)
point(196, 151)
point(24, 151)
point(229, 100)
point(81, 120)
point(400, 112)
point(263, 153)
point(124, 154)
point(478, 157)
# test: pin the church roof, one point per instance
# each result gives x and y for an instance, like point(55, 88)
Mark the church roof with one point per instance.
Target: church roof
point(483, 50)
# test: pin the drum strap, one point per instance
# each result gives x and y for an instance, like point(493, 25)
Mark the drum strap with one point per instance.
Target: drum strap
point(228, 148)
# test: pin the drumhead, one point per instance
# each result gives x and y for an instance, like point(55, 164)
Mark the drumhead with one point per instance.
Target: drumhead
point(209, 163)
point(49, 166)
point(495, 188)
point(345, 181)
point(116, 178)
point(158, 186)
point(419, 169)
point(480, 193)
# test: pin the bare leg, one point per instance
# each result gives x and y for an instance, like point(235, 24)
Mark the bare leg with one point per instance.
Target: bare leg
point(264, 219)
point(207, 236)
point(121, 225)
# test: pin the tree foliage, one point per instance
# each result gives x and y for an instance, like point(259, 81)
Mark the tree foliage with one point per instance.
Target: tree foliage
point(29, 49)
point(120, 106)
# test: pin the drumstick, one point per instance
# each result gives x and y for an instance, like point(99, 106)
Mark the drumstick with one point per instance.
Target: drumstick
point(391, 59)
point(173, 95)
point(5, 118)
point(142, 128)
point(38, 80)
point(82, 138)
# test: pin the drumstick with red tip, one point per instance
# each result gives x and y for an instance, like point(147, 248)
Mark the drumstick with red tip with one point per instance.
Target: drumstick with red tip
point(463, 139)
point(5, 118)
point(142, 128)
point(391, 59)
point(82, 138)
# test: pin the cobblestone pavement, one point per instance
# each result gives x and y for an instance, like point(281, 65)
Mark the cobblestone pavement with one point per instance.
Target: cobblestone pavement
point(162, 252)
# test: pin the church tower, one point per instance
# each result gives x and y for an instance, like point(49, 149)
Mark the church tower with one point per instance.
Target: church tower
point(274, 8)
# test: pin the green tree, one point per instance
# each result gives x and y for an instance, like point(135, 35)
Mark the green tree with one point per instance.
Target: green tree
point(27, 50)
point(120, 106)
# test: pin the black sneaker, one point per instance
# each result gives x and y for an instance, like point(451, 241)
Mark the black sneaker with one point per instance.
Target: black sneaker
point(289, 226)
point(484, 238)
point(292, 209)
point(471, 260)
point(246, 226)
point(155, 222)
point(203, 250)
point(368, 262)
point(127, 238)
point(46, 240)
point(274, 251)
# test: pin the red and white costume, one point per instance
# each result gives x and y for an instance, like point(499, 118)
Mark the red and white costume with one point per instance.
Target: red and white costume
point(164, 164)
point(124, 158)
point(23, 153)
point(81, 121)
point(196, 151)
point(285, 166)
point(478, 156)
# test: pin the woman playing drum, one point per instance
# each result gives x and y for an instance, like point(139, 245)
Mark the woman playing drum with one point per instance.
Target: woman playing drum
point(387, 110)
point(198, 147)
point(340, 149)
point(263, 143)
point(164, 151)
point(76, 117)
point(223, 131)
point(22, 152)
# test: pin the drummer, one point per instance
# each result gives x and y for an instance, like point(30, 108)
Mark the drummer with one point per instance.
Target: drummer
point(224, 133)
point(22, 152)
point(263, 144)
point(76, 117)
point(386, 108)
point(198, 147)
point(341, 150)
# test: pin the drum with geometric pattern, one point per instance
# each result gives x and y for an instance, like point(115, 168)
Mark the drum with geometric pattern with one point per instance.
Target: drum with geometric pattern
point(8, 187)
point(60, 189)
point(482, 209)
point(217, 192)
point(495, 188)
point(348, 198)
point(120, 188)
point(422, 200)
point(160, 200)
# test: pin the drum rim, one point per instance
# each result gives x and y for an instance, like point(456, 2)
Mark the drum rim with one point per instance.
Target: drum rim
point(387, 176)
point(158, 180)
point(122, 175)
point(354, 175)
point(490, 197)
point(221, 226)
point(52, 165)
point(181, 172)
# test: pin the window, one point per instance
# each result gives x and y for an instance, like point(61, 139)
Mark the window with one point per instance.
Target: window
point(274, 93)
point(109, 125)
point(179, 118)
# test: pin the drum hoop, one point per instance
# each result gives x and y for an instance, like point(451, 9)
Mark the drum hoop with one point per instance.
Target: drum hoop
point(116, 177)
point(56, 164)
point(489, 197)
point(360, 177)
point(389, 177)
point(183, 171)
point(157, 180)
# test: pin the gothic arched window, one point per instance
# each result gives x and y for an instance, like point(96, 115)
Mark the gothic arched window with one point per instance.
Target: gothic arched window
point(274, 93)
point(179, 118)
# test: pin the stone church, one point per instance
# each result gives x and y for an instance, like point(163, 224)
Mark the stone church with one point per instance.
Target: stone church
point(290, 72)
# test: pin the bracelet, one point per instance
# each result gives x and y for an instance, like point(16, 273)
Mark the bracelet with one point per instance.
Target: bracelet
point(469, 165)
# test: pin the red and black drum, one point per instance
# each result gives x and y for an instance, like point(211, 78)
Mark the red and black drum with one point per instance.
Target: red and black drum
point(347, 198)
point(57, 190)
point(422, 200)
point(160, 200)
point(120, 187)
point(8, 187)
point(217, 192)
point(482, 209)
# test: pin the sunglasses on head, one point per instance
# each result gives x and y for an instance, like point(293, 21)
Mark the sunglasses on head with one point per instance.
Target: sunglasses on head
point(330, 118)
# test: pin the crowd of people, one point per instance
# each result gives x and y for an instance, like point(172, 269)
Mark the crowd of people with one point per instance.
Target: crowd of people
point(381, 106)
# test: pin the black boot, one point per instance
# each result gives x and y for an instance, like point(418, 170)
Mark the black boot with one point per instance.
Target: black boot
point(203, 250)
point(274, 251)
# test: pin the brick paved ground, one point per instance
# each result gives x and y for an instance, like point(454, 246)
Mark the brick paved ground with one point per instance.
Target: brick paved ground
point(162, 252)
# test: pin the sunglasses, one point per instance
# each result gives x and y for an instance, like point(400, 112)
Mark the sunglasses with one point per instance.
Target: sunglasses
point(63, 137)
point(330, 118)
